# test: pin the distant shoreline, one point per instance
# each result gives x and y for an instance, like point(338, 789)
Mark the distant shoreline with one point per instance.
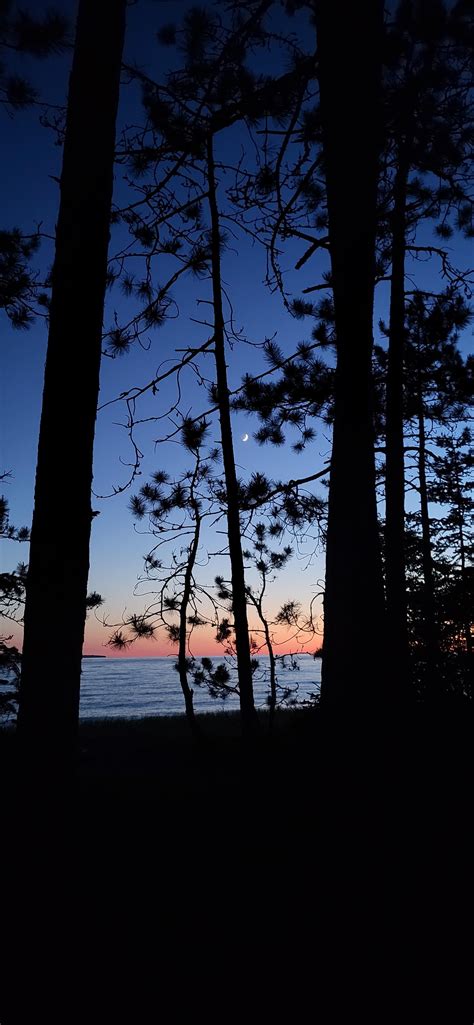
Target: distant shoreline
point(173, 654)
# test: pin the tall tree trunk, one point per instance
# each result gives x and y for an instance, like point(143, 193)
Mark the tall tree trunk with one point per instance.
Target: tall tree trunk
point(395, 465)
point(430, 629)
point(59, 554)
point(349, 49)
point(239, 597)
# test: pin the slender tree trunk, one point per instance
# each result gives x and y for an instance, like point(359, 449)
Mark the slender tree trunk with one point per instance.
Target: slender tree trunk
point(59, 554)
point(258, 603)
point(273, 681)
point(349, 49)
point(183, 633)
point(239, 597)
point(431, 633)
point(395, 466)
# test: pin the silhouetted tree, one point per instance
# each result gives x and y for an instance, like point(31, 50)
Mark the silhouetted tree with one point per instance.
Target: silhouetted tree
point(454, 536)
point(239, 600)
point(176, 510)
point(267, 561)
point(12, 602)
point(349, 49)
point(425, 172)
point(300, 389)
point(429, 129)
point(18, 283)
point(12, 597)
point(341, 218)
point(211, 90)
point(24, 34)
point(436, 390)
point(59, 552)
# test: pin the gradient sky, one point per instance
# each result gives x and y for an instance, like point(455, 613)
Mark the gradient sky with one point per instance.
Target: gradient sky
point(31, 164)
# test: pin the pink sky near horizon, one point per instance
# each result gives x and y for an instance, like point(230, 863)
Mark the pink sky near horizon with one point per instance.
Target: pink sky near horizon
point(203, 643)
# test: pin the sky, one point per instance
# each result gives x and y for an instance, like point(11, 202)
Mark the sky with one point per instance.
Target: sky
point(31, 166)
point(117, 549)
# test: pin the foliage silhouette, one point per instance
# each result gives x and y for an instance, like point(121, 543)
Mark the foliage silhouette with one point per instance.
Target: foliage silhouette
point(429, 126)
point(12, 597)
point(23, 34)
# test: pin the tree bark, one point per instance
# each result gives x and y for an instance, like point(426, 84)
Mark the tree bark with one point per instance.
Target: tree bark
point(349, 50)
point(59, 554)
point(239, 596)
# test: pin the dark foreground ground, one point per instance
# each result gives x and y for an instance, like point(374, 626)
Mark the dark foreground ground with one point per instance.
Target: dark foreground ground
point(324, 874)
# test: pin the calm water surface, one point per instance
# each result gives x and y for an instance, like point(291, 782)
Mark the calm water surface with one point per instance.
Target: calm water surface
point(136, 687)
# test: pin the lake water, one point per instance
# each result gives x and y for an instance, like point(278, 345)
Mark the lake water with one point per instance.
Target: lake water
point(136, 687)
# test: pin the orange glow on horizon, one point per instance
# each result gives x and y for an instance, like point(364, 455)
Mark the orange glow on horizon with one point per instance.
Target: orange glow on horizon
point(203, 643)
point(201, 647)
point(287, 639)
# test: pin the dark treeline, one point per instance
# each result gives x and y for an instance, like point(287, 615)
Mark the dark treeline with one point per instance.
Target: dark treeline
point(361, 173)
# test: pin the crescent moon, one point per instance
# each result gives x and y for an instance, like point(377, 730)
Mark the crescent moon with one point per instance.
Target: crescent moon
point(245, 437)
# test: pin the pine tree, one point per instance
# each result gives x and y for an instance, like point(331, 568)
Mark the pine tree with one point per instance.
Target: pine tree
point(23, 34)
point(59, 551)
point(454, 537)
point(212, 90)
point(349, 47)
point(12, 597)
point(437, 393)
point(429, 130)
point(239, 598)
point(176, 510)
point(18, 282)
point(267, 561)
point(340, 218)
point(425, 173)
